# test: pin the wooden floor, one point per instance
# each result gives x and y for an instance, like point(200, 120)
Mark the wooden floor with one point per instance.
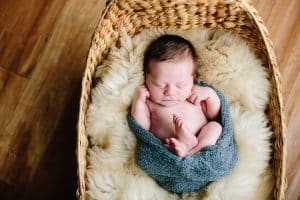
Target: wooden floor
point(43, 49)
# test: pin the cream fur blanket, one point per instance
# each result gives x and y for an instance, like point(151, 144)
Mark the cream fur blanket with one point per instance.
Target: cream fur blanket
point(226, 63)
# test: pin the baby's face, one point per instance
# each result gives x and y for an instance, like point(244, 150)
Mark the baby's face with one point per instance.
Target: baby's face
point(170, 82)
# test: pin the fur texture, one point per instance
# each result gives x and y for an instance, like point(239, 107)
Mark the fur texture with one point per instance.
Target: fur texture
point(226, 63)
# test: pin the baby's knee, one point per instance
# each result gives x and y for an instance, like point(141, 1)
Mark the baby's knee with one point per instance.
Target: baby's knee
point(213, 127)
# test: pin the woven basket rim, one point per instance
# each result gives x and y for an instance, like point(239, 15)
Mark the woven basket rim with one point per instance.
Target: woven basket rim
point(87, 84)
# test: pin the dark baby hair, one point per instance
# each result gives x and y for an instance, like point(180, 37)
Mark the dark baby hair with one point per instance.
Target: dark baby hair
point(168, 47)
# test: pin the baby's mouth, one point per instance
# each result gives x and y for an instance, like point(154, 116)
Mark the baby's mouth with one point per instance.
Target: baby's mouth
point(169, 100)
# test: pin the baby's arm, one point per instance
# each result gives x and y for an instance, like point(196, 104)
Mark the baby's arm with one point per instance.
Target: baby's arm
point(139, 108)
point(208, 99)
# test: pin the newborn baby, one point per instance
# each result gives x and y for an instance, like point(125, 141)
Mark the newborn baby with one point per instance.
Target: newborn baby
point(169, 105)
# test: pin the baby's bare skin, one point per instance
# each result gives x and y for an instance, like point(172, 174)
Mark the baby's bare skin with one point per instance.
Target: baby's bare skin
point(175, 110)
point(177, 125)
point(167, 121)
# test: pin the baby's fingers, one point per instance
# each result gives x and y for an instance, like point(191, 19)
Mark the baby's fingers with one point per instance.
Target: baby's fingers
point(167, 141)
point(143, 91)
point(191, 98)
point(168, 144)
point(194, 99)
point(147, 94)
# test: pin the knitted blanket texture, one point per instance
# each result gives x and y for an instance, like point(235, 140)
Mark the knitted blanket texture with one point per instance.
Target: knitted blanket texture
point(191, 173)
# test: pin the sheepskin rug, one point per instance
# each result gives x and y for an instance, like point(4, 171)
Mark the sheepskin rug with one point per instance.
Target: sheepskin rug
point(227, 63)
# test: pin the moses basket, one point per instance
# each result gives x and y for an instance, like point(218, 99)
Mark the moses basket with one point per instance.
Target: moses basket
point(136, 15)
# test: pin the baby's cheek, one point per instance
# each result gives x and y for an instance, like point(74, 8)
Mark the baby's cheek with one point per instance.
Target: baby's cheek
point(155, 96)
point(152, 91)
point(186, 93)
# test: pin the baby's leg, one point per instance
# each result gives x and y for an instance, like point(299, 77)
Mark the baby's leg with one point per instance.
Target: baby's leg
point(183, 141)
point(209, 134)
point(179, 148)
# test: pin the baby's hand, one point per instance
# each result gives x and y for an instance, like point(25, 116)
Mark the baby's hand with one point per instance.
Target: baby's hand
point(208, 99)
point(199, 97)
point(196, 96)
point(194, 99)
point(142, 93)
point(139, 108)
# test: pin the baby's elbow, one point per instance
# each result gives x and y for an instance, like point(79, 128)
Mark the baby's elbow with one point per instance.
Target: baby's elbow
point(214, 109)
point(142, 121)
point(214, 112)
point(213, 116)
point(145, 124)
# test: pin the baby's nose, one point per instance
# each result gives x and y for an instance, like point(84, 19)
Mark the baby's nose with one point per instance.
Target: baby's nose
point(170, 91)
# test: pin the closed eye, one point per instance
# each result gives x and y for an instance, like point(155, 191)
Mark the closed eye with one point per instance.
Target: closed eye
point(181, 85)
point(160, 85)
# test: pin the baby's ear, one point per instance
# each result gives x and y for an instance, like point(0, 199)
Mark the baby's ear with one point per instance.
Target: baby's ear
point(194, 74)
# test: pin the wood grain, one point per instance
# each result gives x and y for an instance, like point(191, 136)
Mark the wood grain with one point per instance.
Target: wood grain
point(43, 49)
point(283, 22)
point(43, 52)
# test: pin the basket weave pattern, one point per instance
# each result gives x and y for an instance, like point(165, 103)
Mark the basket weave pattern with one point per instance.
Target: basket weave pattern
point(133, 16)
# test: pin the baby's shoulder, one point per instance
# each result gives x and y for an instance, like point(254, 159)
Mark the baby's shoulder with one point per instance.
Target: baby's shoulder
point(204, 91)
point(201, 88)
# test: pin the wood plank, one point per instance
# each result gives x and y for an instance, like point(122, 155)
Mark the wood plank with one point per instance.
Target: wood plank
point(43, 56)
point(264, 8)
point(43, 48)
point(21, 134)
point(73, 35)
point(24, 38)
point(283, 23)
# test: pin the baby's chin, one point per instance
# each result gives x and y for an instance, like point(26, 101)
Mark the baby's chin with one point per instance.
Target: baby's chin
point(168, 103)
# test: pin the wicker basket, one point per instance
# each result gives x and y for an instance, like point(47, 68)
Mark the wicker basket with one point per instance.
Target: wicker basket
point(135, 15)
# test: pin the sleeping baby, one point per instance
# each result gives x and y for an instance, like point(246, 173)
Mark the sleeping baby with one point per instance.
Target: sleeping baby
point(183, 127)
point(169, 105)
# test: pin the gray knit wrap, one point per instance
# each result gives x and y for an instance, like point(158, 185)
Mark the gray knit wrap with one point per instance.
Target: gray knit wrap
point(195, 171)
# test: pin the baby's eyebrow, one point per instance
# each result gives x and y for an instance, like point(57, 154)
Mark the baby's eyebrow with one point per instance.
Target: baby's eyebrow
point(181, 82)
point(158, 83)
